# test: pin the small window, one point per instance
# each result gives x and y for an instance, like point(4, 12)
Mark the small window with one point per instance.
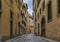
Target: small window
point(23, 22)
point(43, 5)
point(19, 4)
point(40, 11)
point(18, 15)
point(49, 11)
point(11, 1)
point(11, 15)
point(23, 7)
point(23, 15)
point(0, 4)
point(18, 24)
point(38, 15)
point(58, 7)
point(25, 18)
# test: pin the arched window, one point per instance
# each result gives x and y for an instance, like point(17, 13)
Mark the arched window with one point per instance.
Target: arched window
point(49, 12)
point(58, 8)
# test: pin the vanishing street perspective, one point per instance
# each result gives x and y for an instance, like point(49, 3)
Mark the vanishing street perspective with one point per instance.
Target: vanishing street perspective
point(29, 20)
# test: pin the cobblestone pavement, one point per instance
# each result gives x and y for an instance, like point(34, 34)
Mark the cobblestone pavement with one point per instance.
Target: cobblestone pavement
point(30, 38)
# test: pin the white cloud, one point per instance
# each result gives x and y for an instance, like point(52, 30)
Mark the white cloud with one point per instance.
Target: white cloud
point(30, 11)
point(25, 1)
point(29, 2)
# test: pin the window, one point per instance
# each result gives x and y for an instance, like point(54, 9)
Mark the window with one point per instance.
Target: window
point(23, 7)
point(16, 1)
point(35, 19)
point(38, 15)
point(11, 1)
point(23, 22)
point(40, 11)
point(49, 11)
point(19, 27)
point(19, 4)
point(23, 15)
point(58, 6)
point(25, 18)
point(18, 15)
point(18, 24)
point(11, 23)
point(43, 5)
point(0, 4)
point(11, 15)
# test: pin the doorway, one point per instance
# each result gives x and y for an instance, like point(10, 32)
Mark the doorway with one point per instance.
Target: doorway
point(0, 22)
point(38, 29)
point(43, 27)
point(0, 26)
point(18, 28)
point(11, 23)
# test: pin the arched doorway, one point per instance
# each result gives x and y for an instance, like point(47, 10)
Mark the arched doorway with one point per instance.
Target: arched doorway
point(18, 28)
point(43, 27)
point(38, 29)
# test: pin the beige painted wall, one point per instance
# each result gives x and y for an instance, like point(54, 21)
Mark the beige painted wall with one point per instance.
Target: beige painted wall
point(7, 6)
point(30, 25)
point(53, 27)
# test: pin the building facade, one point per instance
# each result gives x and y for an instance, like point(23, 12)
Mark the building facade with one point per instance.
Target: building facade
point(24, 19)
point(30, 24)
point(48, 18)
point(11, 24)
point(34, 13)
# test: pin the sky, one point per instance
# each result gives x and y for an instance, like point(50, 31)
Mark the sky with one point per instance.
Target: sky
point(30, 7)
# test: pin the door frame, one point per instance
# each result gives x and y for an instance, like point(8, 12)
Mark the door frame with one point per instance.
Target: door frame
point(43, 27)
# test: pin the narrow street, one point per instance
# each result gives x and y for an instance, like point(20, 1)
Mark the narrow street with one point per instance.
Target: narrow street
point(30, 38)
point(29, 20)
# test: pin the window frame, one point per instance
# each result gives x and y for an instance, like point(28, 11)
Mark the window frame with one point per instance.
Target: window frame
point(0, 4)
point(49, 11)
point(58, 14)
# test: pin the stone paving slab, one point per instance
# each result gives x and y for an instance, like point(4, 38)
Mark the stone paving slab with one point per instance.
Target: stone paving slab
point(30, 38)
